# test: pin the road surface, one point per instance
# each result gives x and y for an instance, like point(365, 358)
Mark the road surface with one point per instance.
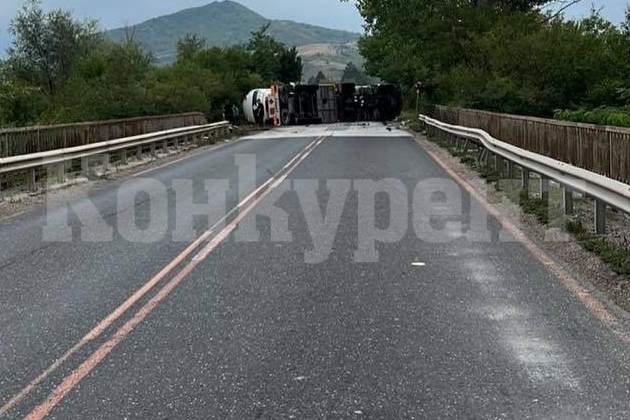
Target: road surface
point(307, 321)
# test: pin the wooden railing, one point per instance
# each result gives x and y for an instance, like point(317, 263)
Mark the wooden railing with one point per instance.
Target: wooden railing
point(600, 149)
point(23, 141)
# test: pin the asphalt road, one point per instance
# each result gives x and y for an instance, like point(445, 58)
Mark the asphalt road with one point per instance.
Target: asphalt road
point(435, 327)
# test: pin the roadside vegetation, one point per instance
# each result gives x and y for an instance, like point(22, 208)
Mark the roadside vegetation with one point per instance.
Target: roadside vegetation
point(619, 117)
point(60, 69)
point(515, 56)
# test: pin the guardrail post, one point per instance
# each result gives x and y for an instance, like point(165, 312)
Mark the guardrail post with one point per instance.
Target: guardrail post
point(494, 161)
point(525, 179)
point(600, 217)
point(568, 201)
point(85, 165)
point(510, 169)
point(165, 147)
point(482, 157)
point(500, 166)
point(139, 152)
point(5, 146)
point(61, 172)
point(153, 154)
point(123, 156)
point(105, 162)
point(30, 180)
point(544, 188)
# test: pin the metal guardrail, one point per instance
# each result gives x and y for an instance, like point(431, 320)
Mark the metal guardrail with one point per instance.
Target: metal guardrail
point(36, 139)
point(597, 148)
point(58, 158)
point(605, 191)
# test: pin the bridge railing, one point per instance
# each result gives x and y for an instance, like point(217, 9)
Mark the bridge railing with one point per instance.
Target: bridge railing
point(53, 165)
point(600, 149)
point(38, 139)
point(503, 155)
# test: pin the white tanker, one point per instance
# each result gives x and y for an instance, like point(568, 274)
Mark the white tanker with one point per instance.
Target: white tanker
point(249, 103)
point(323, 104)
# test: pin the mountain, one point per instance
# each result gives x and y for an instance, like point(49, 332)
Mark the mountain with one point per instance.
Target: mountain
point(226, 23)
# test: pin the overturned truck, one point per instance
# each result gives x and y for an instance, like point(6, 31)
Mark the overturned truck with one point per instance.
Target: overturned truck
point(322, 104)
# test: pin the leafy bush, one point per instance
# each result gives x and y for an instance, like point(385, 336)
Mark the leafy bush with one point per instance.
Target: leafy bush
point(618, 257)
point(619, 117)
point(535, 206)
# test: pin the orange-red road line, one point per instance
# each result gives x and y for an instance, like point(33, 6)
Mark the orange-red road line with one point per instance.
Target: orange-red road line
point(70, 381)
point(592, 303)
point(105, 323)
point(144, 289)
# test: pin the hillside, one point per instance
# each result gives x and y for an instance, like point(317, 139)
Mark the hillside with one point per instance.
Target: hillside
point(228, 23)
point(329, 58)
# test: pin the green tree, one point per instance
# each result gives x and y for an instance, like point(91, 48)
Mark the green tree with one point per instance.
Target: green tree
point(229, 66)
point(265, 54)
point(47, 46)
point(290, 66)
point(189, 47)
point(501, 55)
point(272, 60)
point(19, 103)
point(109, 83)
point(352, 74)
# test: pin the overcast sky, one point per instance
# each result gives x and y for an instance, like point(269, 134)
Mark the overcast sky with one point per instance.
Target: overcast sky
point(329, 13)
point(115, 13)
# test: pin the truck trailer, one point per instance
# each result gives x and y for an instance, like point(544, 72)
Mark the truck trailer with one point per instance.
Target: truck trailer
point(300, 104)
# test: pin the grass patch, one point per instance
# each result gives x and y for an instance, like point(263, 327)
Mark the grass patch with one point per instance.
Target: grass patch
point(617, 257)
point(489, 174)
point(535, 206)
point(468, 160)
point(458, 153)
point(415, 125)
